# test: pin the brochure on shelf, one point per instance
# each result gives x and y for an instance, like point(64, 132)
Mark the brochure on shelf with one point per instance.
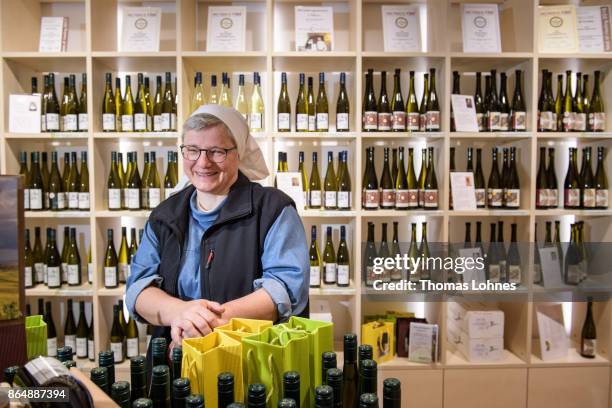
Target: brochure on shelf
point(552, 275)
point(226, 28)
point(594, 28)
point(462, 190)
point(554, 342)
point(480, 27)
point(557, 31)
point(472, 273)
point(140, 30)
point(402, 28)
point(314, 28)
point(464, 113)
point(53, 34)
point(24, 113)
point(423, 343)
point(291, 184)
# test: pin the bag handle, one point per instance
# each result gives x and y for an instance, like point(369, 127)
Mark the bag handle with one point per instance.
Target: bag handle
point(192, 370)
point(274, 374)
point(249, 364)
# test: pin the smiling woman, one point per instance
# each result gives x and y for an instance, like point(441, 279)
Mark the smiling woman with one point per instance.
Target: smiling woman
point(224, 246)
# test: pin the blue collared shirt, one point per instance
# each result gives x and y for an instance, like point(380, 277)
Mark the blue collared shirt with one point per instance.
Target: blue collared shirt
point(284, 261)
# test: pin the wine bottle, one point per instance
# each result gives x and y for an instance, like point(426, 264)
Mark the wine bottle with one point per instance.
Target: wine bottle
point(553, 190)
point(384, 252)
point(423, 104)
point(369, 255)
point(73, 259)
point(111, 274)
point(314, 186)
point(424, 271)
point(224, 96)
point(502, 255)
point(456, 91)
point(344, 184)
point(70, 329)
point(159, 392)
point(225, 389)
point(45, 180)
point(433, 107)
point(491, 108)
point(53, 261)
point(256, 396)
point(588, 337)
point(330, 185)
point(81, 333)
point(568, 122)
point(73, 182)
point(118, 105)
point(578, 113)
point(513, 261)
point(55, 189)
point(256, 113)
point(69, 108)
point(401, 184)
point(91, 347)
point(64, 255)
point(350, 374)
point(43, 105)
point(370, 106)
point(197, 401)
point(494, 185)
point(123, 256)
point(131, 336)
point(84, 198)
point(310, 101)
point(588, 190)
point(169, 181)
point(542, 189)
point(322, 107)
point(518, 113)
point(586, 100)
point(157, 105)
point(291, 386)
point(571, 185)
point(412, 253)
point(343, 260)
point(140, 107)
point(241, 104)
point(479, 183)
point(37, 257)
point(601, 181)
point(387, 194)
point(368, 377)
point(283, 107)
point(198, 98)
point(557, 102)
point(430, 199)
point(133, 186)
point(422, 177)
point(597, 112)
point(370, 193)
point(28, 261)
point(572, 270)
point(493, 267)
point(513, 187)
point(138, 377)
point(479, 104)
point(315, 259)
point(392, 393)
point(144, 190)
point(545, 108)
point(384, 107)
point(328, 361)
point(153, 184)
point(23, 171)
point(167, 122)
point(114, 185)
point(117, 336)
point(324, 396)
point(52, 107)
point(504, 105)
point(396, 273)
point(329, 260)
point(412, 108)
point(301, 107)
point(51, 333)
point(411, 181)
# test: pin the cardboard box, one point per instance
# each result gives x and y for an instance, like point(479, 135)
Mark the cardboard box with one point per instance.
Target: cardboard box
point(478, 321)
point(475, 350)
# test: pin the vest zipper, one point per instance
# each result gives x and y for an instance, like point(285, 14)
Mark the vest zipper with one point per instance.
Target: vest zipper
point(211, 256)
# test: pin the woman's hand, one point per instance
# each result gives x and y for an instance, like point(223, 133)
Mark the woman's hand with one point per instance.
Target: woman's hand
point(196, 318)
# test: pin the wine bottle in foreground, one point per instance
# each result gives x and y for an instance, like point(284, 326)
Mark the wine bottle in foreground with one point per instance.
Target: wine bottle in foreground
point(588, 338)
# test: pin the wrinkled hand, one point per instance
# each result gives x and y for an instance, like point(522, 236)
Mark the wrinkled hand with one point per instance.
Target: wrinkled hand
point(196, 318)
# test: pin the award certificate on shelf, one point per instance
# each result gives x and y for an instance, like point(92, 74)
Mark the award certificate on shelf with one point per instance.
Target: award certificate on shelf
point(314, 28)
point(226, 28)
point(557, 29)
point(402, 28)
point(554, 342)
point(480, 26)
point(140, 29)
point(53, 34)
point(594, 28)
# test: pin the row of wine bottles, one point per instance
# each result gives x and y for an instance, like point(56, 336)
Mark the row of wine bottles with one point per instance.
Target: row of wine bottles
point(44, 189)
point(69, 115)
point(126, 189)
point(580, 189)
point(335, 267)
point(571, 112)
point(252, 109)
point(147, 113)
point(495, 113)
point(117, 266)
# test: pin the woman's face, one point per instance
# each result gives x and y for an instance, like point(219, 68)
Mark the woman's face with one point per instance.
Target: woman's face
point(206, 175)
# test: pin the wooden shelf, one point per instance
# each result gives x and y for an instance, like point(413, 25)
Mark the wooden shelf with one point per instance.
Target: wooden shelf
point(314, 213)
point(402, 135)
point(123, 213)
point(401, 213)
point(48, 136)
point(57, 214)
point(573, 359)
point(492, 135)
point(490, 213)
point(136, 135)
point(42, 290)
point(315, 135)
point(333, 290)
point(454, 359)
point(554, 212)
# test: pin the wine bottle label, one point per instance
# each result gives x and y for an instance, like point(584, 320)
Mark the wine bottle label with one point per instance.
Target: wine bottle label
point(401, 198)
point(422, 122)
point(168, 192)
point(344, 199)
point(301, 122)
point(255, 121)
point(91, 350)
point(514, 274)
point(589, 198)
point(384, 121)
point(331, 199)
point(513, 198)
point(43, 123)
point(132, 347)
point(542, 197)
point(315, 275)
point(26, 198)
point(413, 198)
point(580, 122)
point(284, 121)
point(413, 121)
point(39, 270)
point(519, 121)
point(370, 275)
point(166, 122)
point(504, 122)
point(114, 198)
point(140, 121)
point(83, 199)
point(70, 122)
point(157, 123)
point(433, 120)
point(480, 121)
point(70, 341)
point(62, 200)
point(494, 273)
point(481, 197)
point(322, 121)
point(568, 121)
point(553, 197)
point(494, 121)
point(90, 272)
point(123, 272)
point(28, 276)
point(117, 349)
point(572, 197)
point(342, 121)
point(495, 197)
point(421, 198)
point(556, 124)
point(387, 197)
point(149, 123)
point(133, 198)
point(312, 123)
point(108, 122)
point(144, 197)
point(45, 275)
point(573, 274)
point(127, 123)
point(154, 197)
point(54, 276)
point(503, 270)
point(370, 120)
point(537, 273)
point(81, 347)
point(370, 198)
point(588, 347)
point(73, 274)
point(52, 122)
point(36, 199)
point(546, 120)
point(597, 121)
point(399, 120)
point(330, 272)
point(52, 347)
point(173, 121)
point(601, 198)
point(430, 198)
point(83, 122)
point(64, 271)
point(73, 200)
point(46, 198)
point(343, 275)
point(315, 198)
point(110, 276)
point(54, 201)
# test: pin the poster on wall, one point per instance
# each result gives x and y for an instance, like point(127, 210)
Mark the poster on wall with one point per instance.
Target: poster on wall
point(594, 28)
point(402, 29)
point(226, 28)
point(557, 29)
point(480, 27)
point(140, 29)
point(314, 28)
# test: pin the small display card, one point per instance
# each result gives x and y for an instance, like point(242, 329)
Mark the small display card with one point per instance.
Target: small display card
point(291, 184)
point(314, 28)
point(402, 28)
point(594, 28)
point(226, 28)
point(554, 342)
point(53, 34)
point(464, 113)
point(423, 343)
point(140, 29)
point(557, 29)
point(480, 27)
point(24, 113)
point(462, 189)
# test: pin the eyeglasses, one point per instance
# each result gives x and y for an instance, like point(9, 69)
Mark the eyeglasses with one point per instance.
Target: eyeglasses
point(216, 154)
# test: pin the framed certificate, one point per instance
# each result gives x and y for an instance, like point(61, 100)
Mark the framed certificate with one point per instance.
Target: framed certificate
point(226, 28)
point(594, 28)
point(480, 26)
point(557, 29)
point(314, 28)
point(402, 28)
point(140, 29)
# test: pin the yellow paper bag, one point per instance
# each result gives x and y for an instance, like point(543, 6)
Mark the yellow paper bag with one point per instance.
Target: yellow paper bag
point(238, 328)
point(381, 336)
point(204, 358)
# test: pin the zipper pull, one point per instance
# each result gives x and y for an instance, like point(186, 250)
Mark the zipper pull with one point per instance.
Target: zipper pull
point(211, 255)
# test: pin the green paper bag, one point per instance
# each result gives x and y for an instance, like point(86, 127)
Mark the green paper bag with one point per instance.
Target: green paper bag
point(36, 336)
point(237, 328)
point(269, 354)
